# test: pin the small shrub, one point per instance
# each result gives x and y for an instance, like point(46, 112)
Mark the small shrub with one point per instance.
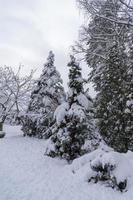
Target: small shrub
point(104, 172)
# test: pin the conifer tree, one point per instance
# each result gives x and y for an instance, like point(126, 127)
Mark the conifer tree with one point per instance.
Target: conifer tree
point(97, 38)
point(45, 98)
point(129, 94)
point(105, 46)
point(112, 102)
point(73, 125)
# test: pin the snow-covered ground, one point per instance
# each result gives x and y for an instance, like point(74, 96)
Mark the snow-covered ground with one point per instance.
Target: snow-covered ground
point(26, 174)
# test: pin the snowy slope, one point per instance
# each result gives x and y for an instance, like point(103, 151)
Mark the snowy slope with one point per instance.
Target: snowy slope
point(26, 174)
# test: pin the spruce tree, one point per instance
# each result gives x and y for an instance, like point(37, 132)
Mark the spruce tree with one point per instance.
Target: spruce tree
point(45, 98)
point(129, 94)
point(106, 52)
point(112, 102)
point(98, 36)
point(73, 125)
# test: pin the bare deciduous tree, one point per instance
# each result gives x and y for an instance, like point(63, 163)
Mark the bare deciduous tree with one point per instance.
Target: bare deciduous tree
point(14, 92)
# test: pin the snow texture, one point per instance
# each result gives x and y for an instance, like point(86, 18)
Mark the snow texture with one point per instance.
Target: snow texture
point(77, 112)
point(83, 101)
point(61, 112)
point(26, 174)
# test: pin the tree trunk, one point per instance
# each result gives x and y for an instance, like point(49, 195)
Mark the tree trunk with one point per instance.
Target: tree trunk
point(1, 126)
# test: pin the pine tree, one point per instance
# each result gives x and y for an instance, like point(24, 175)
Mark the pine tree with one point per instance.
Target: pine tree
point(73, 125)
point(45, 98)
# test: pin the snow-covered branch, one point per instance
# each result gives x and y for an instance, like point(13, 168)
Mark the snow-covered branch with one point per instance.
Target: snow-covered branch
point(14, 91)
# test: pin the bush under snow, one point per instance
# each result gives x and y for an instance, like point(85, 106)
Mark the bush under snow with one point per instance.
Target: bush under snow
point(106, 167)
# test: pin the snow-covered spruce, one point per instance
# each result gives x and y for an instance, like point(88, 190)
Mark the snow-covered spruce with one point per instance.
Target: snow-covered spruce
point(114, 107)
point(110, 56)
point(45, 98)
point(74, 124)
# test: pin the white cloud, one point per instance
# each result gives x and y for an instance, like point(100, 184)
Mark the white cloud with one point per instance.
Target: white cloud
point(30, 28)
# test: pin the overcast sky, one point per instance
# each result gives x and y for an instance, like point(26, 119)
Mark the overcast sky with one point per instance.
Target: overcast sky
point(29, 29)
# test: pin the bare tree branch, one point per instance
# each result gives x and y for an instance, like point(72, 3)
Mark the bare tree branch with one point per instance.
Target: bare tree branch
point(14, 91)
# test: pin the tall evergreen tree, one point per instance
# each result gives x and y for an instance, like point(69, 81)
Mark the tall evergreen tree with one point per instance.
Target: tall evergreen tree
point(98, 36)
point(129, 93)
point(105, 43)
point(112, 107)
point(73, 119)
point(45, 98)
